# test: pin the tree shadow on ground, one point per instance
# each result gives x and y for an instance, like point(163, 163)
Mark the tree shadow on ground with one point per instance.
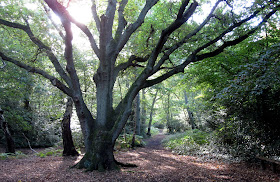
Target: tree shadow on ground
point(154, 164)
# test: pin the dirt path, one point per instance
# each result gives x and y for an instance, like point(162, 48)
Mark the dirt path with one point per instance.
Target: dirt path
point(155, 142)
point(154, 165)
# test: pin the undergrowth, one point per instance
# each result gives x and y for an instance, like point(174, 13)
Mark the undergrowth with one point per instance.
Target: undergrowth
point(50, 152)
point(188, 142)
point(198, 143)
point(125, 141)
point(17, 155)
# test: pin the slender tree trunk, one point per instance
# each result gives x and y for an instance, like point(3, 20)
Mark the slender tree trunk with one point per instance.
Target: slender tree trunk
point(136, 130)
point(134, 133)
point(190, 114)
point(137, 115)
point(143, 112)
point(168, 117)
point(10, 145)
point(151, 115)
point(68, 145)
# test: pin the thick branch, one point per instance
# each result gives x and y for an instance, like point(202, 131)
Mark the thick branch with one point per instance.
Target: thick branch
point(229, 29)
point(55, 82)
point(64, 15)
point(181, 19)
point(110, 14)
point(133, 27)
point(94, 14)
point(121, 21)
point(182, 8)
point(177, 69)
point(47, 10)
point(41, 46)
point(233, 42)
point(131, 61)
point(194, 57)
point(170, 50)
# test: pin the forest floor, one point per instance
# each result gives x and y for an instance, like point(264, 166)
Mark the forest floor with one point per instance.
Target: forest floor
point(154, 164)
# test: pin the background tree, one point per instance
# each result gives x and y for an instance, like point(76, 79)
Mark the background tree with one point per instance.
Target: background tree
point(10, 144)
point(68, 144)
point(197, 40)
point(234, 95)
point(151, 113)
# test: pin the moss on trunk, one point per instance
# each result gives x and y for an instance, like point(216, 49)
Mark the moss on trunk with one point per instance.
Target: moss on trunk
point(100, 155)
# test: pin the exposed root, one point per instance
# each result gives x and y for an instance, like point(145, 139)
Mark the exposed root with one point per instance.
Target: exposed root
point(125, 164)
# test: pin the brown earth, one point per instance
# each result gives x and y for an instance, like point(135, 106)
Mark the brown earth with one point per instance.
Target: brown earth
point(154, 164)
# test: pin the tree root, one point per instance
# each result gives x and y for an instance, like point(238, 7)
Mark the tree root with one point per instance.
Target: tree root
point(125, 164)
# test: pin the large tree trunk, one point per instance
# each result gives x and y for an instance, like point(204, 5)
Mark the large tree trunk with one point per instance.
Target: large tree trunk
point(68, 145)
point(100, 156)
point(99, 152)
point(108, 125)
point(10, 145)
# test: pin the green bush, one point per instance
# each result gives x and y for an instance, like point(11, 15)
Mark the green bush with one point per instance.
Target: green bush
point(154, 131)
point(158, 125)
point(50, 152)
point(125, 142)
point(4, 156)
point(17, 155)
point(187, 142)
point(78, 139)
point(175, 125)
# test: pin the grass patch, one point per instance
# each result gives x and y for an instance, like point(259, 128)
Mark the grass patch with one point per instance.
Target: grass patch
point(17, 155)
point(50, 152)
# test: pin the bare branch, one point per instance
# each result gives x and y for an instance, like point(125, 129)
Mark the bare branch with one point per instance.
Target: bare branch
point(55, 82)
point(133, 27)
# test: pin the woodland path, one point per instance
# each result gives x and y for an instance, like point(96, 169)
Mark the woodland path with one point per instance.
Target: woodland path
point(155, 164)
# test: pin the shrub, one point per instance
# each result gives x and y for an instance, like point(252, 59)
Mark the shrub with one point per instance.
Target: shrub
point(123, 142)
point(50, 152)
point(188, 142)
point(17, 155)
point(78, 139)
point(158, 125)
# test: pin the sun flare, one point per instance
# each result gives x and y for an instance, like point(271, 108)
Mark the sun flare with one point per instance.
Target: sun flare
point(80, 10)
